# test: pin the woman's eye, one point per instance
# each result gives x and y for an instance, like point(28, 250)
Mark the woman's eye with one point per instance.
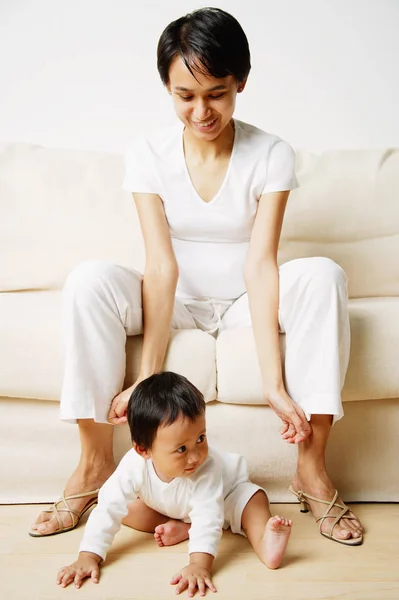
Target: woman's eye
point(216, 97)
point(201, 439)
point(181, 450)
point(186, 98)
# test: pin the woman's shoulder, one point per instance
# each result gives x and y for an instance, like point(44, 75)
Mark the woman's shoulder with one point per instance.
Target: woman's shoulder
point(258, 138)
point(159, 142)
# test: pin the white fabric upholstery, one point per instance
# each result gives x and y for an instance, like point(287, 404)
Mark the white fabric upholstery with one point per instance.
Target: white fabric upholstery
point(346, 208)
point(59, 208)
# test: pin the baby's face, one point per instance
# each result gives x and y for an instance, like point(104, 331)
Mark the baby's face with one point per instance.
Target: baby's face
point(179, 449)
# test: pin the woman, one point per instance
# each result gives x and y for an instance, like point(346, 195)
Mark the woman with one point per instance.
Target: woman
point(211, 195)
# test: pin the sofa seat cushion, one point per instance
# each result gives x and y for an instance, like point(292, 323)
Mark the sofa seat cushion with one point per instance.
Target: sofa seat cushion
point(373, 367)
point(31, 356)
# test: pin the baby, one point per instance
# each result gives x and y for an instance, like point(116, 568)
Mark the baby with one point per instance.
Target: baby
point(175, 485)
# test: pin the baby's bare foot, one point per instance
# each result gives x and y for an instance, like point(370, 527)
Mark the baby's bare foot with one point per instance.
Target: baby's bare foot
point(274, 541)
point(172, 532)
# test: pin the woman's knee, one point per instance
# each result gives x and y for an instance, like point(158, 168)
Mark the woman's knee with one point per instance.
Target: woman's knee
point(87, 274)
point(325, 272)
point(92, 276)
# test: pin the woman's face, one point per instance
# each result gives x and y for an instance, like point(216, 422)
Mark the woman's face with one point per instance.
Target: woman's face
point(204, 104)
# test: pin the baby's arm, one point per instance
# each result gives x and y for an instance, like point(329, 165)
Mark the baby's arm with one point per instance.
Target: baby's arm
point(105, 521)
point(207, 517)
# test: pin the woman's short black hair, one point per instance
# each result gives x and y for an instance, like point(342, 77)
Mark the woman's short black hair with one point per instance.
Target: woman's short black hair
point(209, 41)
point(160, 400)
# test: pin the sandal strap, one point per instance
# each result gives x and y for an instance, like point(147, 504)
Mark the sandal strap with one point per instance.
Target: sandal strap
point(74, 514)
point(333, 503)
point(303, 496)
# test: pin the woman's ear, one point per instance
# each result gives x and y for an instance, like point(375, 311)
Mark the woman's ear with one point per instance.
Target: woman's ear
point(241, 85)
point(141, 451)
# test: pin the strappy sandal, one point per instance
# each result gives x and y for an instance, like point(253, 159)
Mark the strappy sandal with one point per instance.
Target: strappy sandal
point(74, 514)
point(303, 499)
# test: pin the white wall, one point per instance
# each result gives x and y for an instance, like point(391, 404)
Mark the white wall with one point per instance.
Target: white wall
point(82, 74)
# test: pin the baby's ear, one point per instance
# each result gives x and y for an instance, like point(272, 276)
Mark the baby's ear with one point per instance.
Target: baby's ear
point(141, 451)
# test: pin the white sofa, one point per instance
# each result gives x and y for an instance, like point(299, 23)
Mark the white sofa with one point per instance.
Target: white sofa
point(61, 207)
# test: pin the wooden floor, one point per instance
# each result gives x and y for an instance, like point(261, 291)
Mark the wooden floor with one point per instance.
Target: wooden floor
point(136, 569)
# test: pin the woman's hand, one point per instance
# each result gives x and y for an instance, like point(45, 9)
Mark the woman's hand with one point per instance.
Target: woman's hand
point(296, 427)
point(118, 411)
point(192, 577)
point(87, 565)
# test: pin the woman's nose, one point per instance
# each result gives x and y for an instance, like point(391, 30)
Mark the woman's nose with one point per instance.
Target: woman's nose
point(201, 111)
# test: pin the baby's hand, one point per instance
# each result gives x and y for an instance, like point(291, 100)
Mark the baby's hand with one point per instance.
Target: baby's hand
point(85, 566)
point(192, 577)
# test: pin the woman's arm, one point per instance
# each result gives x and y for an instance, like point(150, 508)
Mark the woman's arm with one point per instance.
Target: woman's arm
point(159, 287)
point(159, 283)
point(262, 283)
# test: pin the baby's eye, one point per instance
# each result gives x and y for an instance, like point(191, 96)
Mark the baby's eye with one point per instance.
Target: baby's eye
point(201, 439)
point(181, 450)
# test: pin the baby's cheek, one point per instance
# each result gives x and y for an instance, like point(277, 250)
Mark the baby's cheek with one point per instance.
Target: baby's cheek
point(204, 452)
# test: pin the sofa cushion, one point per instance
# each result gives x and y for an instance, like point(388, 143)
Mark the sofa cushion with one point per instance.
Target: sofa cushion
point(373, 367)
point(58, 208)
point(31, 357)
point(346, 209)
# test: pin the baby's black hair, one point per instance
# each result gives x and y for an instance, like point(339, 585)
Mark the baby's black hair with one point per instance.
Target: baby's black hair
point(160, 400)
point(209, 41)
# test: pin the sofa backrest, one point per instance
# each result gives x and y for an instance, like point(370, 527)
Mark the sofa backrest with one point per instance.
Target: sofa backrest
point(59, 207)
point(347, 208)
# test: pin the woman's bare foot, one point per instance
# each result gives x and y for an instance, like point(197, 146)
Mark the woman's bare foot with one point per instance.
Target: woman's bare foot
point(81, 481)
point(320, 486)
point(274, 541)
point(172, 532)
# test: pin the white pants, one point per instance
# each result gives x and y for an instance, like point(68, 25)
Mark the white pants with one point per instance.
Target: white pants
point(102, 304)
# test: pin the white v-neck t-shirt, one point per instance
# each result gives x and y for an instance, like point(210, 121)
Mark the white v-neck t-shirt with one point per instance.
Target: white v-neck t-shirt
point(210, 239)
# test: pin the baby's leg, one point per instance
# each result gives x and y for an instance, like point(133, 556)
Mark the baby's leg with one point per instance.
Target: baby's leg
point(167, 532)
point(142, 517)
point(267, 535)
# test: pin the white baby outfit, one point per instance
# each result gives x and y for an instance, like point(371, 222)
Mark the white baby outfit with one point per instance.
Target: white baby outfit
point(212, 498)
point(103, 304)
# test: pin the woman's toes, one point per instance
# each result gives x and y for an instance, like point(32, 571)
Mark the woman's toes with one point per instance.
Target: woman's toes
point(43, 528)
point(342, 534)
point(42, 518)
